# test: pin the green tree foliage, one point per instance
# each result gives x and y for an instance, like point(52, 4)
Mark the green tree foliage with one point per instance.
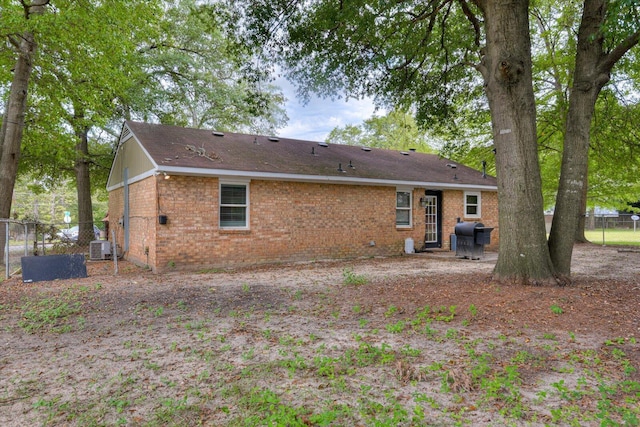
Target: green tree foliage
point(401, 54)
point(612, 138)
point(614, 161)
point(197, 76)
point(100, 62)
point(397, 130)
point(39, 201)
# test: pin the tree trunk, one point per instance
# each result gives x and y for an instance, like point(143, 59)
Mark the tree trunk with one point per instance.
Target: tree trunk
point(582, 220)
point(83, 186)
point(592, 219)
point(587, 83)
point(13, 127)
point(506, 67)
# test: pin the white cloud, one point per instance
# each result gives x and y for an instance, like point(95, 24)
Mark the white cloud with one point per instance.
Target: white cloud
point(313, 121)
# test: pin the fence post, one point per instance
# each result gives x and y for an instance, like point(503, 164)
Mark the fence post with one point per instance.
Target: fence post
point(6, 250)
point(26, 239)
point(114, 251)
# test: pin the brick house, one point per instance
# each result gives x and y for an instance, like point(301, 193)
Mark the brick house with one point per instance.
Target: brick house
point(192, 198)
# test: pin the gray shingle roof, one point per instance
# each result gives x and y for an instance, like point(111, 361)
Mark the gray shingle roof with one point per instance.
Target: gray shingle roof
point(185, 150)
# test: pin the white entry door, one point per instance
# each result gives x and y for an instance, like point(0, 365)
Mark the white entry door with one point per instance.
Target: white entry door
point(432, 219)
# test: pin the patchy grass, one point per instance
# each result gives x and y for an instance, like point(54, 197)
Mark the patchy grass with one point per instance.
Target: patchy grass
point(226, 350)
point(53, 313)
point(351, 278)
point(614, 237)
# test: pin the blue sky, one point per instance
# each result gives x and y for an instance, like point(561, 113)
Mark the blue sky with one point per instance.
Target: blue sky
point(313, 121)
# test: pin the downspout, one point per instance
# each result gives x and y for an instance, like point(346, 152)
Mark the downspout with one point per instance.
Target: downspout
point(125, 214)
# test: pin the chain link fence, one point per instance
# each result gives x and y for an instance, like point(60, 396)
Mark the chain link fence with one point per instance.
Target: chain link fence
point(614, 221)
point(25, 238)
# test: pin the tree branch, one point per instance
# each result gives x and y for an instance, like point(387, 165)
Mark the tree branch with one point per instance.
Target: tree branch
point(13, 40)
point(477, 27)
point(480, 4)
point(37, 5)
point(608, 61)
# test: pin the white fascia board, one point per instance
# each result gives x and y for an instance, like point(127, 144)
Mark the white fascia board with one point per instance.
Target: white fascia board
point(113, 162)
point(320, 179)
point(133, 179)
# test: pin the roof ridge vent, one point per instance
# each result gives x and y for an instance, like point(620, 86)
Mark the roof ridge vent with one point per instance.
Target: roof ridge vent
point(404, 153)
point(217, 133)
point(274, 139)
point(366, 149)
point(323, 144)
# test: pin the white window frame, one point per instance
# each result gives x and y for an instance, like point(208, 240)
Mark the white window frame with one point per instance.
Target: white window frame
point(478, 205)
point(404, 208)
point(245, 205)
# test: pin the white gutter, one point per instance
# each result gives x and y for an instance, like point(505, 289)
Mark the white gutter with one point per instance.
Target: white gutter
point(328, 179)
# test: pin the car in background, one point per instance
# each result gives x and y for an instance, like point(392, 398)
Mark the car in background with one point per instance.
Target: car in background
point(70, 235)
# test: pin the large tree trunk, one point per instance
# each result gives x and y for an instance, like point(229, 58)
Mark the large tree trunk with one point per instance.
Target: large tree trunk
point(13, 127)
point(14, 118)
point(590, 75)
point(83, 186)
point(506, 67)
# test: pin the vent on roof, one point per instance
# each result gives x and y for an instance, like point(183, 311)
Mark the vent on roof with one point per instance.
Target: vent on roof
point(404, 153)
point(323, 144)
point(413, 150)
point(366, 149)
point(217, 133)
point(274, 138)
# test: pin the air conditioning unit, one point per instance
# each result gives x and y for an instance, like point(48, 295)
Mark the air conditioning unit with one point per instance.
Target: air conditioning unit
point(99, 249)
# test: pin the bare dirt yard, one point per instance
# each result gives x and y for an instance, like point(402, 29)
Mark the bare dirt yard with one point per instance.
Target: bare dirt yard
point(424, 339)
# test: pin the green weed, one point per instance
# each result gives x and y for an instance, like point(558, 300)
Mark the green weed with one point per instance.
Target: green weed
point(50, 314)
point(396, 328)
point(351, 278)
point(391, 311)
point(555, 309)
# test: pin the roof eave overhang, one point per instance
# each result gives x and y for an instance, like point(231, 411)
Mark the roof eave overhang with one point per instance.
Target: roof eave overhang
point(327, 179)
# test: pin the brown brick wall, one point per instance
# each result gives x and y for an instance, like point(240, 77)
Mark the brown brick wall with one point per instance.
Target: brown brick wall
point(289, 221)
point(142, 220)
point(453, 208)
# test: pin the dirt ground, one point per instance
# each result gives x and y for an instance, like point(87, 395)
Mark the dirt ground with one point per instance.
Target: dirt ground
point(141, 326)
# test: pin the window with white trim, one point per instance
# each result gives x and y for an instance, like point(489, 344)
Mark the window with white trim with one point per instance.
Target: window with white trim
point(472, 204)
point(234, 203)
point(403, 208)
